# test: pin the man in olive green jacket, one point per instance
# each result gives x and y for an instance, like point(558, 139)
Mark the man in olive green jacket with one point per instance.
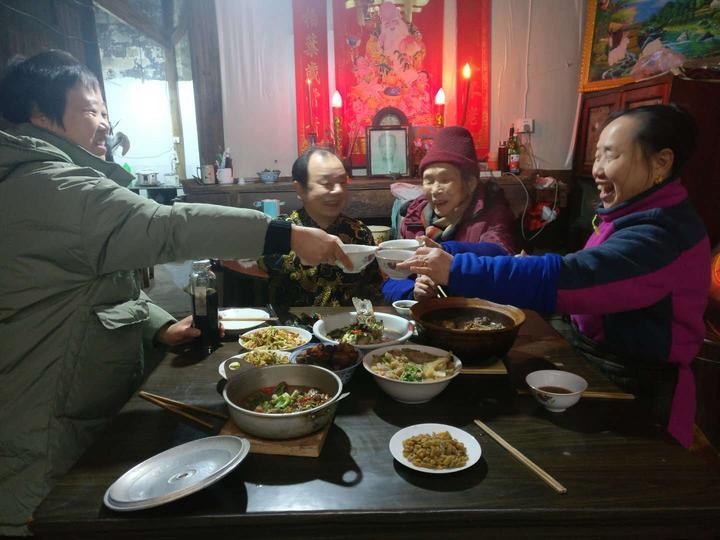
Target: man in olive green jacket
point(73, 319)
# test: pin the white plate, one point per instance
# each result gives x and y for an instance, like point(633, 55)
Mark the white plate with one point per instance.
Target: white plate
point(176, 473)
point(398, 328)
point(223, 371)
point(471, 445)
point(304, 335)
point(234, 326)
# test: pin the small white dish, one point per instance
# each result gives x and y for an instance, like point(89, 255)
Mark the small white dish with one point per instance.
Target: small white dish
point(359, 255)
point(224, 366)
point(543, 382)
point(408, 244)
point(236, 326)
point(305, 337)
point(388, 259)
point(471, 445)
point(403, 306)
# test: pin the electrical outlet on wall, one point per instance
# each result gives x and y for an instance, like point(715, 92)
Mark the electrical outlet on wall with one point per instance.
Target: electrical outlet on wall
point(524, 125)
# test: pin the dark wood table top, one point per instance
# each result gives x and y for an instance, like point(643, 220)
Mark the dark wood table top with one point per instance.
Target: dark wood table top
point(624, 475)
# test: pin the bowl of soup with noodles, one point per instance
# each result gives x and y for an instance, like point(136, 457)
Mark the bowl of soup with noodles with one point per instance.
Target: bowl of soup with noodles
point(478, 331)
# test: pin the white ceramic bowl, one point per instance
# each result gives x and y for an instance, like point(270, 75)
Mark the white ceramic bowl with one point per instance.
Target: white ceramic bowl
point(403, 306)
point(388, 258)
point(541, 383)
point(397, 329)
point(381, 233)
point(224, 368)
point(407, 244)
point(404, 391)
point(360, 256)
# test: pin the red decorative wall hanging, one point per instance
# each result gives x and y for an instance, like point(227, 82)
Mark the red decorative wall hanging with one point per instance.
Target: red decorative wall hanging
point(473, 47)
point(381, 60)
point(311, 72)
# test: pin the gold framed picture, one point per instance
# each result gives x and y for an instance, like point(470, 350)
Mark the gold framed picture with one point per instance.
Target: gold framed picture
point(630, 40)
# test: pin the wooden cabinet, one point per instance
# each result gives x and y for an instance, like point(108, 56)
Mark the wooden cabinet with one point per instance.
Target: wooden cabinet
point(701, 175)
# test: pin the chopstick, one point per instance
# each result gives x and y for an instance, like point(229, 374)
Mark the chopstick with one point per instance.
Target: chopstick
point(178, 406)
point(248, 319)
point(441, 292)
point(557, 486)
point(592, 394)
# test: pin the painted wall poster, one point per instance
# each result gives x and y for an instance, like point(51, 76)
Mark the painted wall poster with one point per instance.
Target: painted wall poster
point(629, 40)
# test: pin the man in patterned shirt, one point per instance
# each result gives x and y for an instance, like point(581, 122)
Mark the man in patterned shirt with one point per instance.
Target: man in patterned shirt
point(321, 183)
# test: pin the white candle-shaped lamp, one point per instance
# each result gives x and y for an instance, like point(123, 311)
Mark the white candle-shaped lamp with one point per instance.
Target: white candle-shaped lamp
point(337, 121)
point(440, 108)
point(466, 75)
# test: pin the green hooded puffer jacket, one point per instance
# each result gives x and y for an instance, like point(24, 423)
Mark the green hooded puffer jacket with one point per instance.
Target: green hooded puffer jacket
point(72, 315)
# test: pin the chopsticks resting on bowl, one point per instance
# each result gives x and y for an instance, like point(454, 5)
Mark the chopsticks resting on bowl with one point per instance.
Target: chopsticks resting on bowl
point(178, 406)
point(522, 458)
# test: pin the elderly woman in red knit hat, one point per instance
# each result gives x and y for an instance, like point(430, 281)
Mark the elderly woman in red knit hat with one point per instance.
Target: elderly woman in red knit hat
point(456, 209)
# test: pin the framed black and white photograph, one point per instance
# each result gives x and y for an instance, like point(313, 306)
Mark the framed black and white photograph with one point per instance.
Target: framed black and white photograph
point(387, 151)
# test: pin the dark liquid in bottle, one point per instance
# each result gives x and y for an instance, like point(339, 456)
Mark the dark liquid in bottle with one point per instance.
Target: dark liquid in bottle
point(207, 322)
point(555, 390)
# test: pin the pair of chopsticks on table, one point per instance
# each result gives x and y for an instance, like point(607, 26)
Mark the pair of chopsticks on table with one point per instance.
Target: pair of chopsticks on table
point(594, 394)
point(522, 458)
point(180, 408)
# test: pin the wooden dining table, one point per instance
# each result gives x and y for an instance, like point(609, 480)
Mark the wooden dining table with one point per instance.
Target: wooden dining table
point(625, 476)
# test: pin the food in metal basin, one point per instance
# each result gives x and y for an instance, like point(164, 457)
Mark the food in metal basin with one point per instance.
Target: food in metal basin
point(411, 365)
point(435, 451)
point(283, 398)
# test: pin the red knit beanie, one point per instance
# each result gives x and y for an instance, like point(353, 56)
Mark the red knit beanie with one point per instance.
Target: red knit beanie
point(454, 145)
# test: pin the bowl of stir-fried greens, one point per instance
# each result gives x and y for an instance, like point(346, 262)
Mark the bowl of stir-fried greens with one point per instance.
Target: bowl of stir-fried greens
point(283, 401)
point(412, 373)
point(378, 330)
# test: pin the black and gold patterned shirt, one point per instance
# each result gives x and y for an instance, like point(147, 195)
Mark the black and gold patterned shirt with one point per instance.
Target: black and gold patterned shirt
point(291, 283)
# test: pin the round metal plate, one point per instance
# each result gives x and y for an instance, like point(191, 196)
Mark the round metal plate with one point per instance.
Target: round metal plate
point(176, 473)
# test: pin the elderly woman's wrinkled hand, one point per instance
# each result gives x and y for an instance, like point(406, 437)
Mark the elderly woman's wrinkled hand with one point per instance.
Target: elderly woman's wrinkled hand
point(428, 242)
point(424, 288)
point(432, 262)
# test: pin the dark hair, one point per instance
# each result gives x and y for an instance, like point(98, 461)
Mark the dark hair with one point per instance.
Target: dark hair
point(662, 126)
point(41, 81)
point(300, 167)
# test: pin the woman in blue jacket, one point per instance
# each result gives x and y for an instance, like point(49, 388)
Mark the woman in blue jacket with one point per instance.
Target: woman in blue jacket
point(638, 290)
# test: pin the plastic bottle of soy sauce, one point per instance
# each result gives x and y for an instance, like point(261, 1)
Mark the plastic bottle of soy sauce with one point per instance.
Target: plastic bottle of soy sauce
point(203, 287)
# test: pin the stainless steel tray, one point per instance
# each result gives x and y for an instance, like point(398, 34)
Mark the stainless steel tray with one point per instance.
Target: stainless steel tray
point(176, 473)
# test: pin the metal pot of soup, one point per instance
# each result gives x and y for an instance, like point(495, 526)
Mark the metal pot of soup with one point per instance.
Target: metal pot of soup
point(253, 390)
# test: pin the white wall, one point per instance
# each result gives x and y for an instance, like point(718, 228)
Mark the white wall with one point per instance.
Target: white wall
point(549, 75)
point(258, 80)
point(257, 63)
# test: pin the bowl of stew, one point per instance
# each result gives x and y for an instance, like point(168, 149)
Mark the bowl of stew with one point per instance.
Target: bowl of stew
point(283, 401)
point(478, 331)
